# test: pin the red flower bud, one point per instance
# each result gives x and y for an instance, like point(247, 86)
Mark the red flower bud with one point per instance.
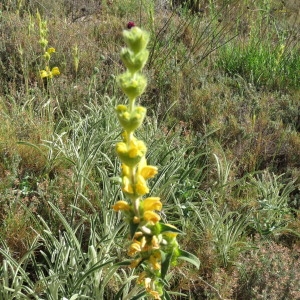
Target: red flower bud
point(130, 25)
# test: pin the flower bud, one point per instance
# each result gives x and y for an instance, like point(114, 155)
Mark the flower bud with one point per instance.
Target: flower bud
point(130, 25)
point(43, 42)
point(47, 56)
point(130, 121)
point(132, 61)
point(133, 85)
point(136, 39)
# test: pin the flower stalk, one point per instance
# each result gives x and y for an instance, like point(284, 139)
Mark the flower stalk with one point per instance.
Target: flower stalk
point(46, 73)
point(153, 246)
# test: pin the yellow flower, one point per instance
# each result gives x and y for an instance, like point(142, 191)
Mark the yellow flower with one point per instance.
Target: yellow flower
point(125, 170)
point(143, 242)
point(155, 260)
point(152, 203)
point(51, 50)
point(121, 205)
point(147, 282)
point(47, 54)
point(47, 73)
point(151, 216)
point(55, 71)
point(148, 286)
point(145, 170)
point(131, 154)
point(137, 148)
point(126, 185)
point(134, 248)
point(141, 187)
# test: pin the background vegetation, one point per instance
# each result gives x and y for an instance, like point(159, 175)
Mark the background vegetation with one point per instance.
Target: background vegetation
point(223, 128)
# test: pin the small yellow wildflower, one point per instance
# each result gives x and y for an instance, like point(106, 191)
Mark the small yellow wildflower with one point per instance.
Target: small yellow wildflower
point(148, 286)
point(125, 170)
point(51, 50)
point(47, 54)
point(152, 203)
point(151, 216)
point(126, 185)
point(138, 234)
point(134, 248)
point(141, 187)
point(147, 283)
point(131, 154)
point(143, 242)
point(49, 74)
point(121, 205)
point(155, 260)
point(145, 170)
point(137, 148)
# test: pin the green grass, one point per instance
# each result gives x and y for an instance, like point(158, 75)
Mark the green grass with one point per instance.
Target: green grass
point(222, 127)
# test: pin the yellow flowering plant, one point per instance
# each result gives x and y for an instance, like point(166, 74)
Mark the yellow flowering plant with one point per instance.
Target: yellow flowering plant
point(153, 245)
point(43, 31)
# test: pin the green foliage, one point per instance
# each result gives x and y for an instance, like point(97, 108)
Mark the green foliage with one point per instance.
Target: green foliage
point(222, 232)
point(264, 65)
point(273, 213)
point(268, 56)
point(68, 264)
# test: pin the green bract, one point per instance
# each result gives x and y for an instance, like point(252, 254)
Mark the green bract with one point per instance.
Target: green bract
point(136, 39)
point(131, 155)
point(130, 120)
point(134, 61)
point(132, 86)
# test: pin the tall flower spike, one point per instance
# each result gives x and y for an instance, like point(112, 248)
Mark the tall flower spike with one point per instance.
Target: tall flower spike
point(153, 244)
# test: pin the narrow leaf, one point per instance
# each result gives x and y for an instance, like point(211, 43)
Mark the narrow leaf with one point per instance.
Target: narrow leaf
point(189, 257)
point(139, 296)
point(133, 228)
point(167, 296)
point(168, 228)
point(119, 294)
point(165, 263)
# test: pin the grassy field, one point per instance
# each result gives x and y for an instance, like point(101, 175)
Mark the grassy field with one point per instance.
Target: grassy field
point(222, 126)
